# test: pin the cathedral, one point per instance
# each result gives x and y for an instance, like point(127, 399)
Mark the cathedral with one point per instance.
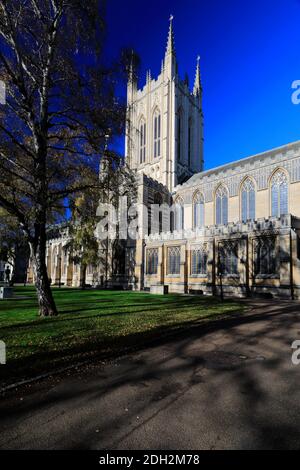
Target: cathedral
point(232, 230)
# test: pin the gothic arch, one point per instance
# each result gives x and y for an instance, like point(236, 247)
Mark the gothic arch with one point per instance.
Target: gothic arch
point(279, 192)
point(179, 200)
point(141, 120)
point(198, 194)
point(155, 109)
point(221, 198)
point(223, 187)
point(142, 139)
point(156, 125)
point(277, 170)
point(247, 198)
point(198, 213)
point(179, 213)
point(248, 177)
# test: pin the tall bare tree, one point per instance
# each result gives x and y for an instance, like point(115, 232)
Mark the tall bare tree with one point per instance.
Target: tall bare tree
point(60, 103)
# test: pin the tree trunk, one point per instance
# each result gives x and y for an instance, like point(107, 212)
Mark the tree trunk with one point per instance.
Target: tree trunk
point(46, 302)
point(83, 276)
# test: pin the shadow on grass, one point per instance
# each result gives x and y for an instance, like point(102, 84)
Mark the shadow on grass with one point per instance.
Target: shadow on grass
point(174, 380)
point(167, 304)
point(108, 347)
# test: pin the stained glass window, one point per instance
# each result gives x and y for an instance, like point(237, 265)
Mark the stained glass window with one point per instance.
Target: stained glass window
point(157, 132)
point(174, 260)
point(199, 260)
point(152, 261)
point(228, 258)
point(198, 211)
point(142, 142)
point(222, 206)
point(265, 256)
point(179, 214)
point(279, 194)
point(248, 200)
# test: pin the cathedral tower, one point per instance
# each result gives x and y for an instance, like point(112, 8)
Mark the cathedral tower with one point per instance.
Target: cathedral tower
point(164, 138)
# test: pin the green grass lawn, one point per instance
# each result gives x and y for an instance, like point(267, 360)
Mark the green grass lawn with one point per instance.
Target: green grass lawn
point(90, 323)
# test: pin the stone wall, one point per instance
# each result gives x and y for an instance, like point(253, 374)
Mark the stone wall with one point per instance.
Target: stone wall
point(284, 282)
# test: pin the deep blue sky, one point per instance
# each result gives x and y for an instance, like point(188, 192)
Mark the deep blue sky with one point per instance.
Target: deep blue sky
point(250, 55)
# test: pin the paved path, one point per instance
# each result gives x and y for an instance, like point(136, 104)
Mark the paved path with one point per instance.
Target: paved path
point(228, 385)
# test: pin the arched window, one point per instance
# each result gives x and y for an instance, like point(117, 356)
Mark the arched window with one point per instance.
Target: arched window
point(248, 200)
point(228, 258)
point(198, 204)
point(156, 133)
point(222, 206)
point(179, 214)
point(265, 255)
point(174, 260)
point(151, 261)
point(279, 194)
point(142, 141)
point(199, 259)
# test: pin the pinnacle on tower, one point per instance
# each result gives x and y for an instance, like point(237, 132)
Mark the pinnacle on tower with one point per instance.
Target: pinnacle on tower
point(132, 80)
point(104, 161)
point(197, 83)
point(171, 42)
point(131, 69)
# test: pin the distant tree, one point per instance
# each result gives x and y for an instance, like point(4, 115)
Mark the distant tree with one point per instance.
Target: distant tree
point(83, 246)
point(11, 240)
point(60, 103)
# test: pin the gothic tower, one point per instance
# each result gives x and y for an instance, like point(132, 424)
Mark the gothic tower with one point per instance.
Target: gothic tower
point(164, 137)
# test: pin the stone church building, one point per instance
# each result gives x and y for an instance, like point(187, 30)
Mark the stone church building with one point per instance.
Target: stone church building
point(233, 228)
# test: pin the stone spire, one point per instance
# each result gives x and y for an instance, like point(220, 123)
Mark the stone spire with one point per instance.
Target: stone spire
point(197, 83)
point(170, 64)
point(171, 43)
point(132, 70)
point(132, 81)
point(104, 161)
